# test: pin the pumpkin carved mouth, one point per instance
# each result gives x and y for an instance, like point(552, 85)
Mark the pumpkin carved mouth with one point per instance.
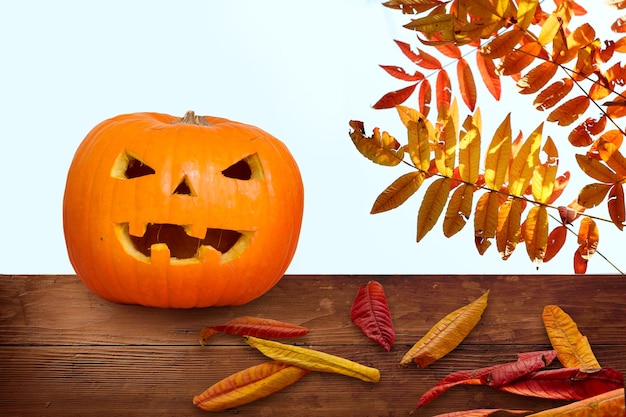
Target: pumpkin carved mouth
point(182, 246)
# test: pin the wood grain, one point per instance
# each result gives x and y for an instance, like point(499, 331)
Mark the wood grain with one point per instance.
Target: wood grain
point(64, 351)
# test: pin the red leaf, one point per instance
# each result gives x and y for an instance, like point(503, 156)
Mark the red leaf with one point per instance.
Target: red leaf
point(424, 97)
point(566, 383)
point(395, 98)
point(498, 374)
point(556, 240)
point(400, 73)
point(254, 326)
point(370, 313)
point(444, 89)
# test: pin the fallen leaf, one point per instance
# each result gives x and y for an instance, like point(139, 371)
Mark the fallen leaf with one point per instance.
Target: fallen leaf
point(573, 349)
point(608, 404)
point(480, 412)
point(313, 360)
point(254, 326)
point(370, 313)
point(447, 334)
point(248, 385)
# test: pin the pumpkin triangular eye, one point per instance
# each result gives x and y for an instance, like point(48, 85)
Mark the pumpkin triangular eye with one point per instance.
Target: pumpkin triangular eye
point(184, 188)
point(128, 166)
point(248, 168)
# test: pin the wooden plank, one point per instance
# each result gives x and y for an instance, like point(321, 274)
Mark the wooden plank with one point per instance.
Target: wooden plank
point(64, 351)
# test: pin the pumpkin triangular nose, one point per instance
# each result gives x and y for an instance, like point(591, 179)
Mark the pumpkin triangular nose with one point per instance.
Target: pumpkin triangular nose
point(184, 188)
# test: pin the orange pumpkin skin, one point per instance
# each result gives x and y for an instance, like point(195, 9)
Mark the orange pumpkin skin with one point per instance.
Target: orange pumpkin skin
point(148, 199)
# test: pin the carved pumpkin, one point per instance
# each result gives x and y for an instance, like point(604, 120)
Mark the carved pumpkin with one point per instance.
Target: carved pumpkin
point(192, 212)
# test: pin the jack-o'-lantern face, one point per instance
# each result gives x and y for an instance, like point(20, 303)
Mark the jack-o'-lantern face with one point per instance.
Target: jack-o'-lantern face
point(170, 214)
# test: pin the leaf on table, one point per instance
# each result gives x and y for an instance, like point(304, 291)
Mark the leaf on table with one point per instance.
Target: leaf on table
point(497, 374)
point(566, 383)
point(481, 412)
point(573, 349)
point(313, 360)
point(608, 404)
point(248, 385)
point(370, 313)
point(254, 326)
point(379, 148)
point(447, 334)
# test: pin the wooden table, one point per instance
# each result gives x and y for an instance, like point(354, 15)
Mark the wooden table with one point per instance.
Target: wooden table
point(66, 352)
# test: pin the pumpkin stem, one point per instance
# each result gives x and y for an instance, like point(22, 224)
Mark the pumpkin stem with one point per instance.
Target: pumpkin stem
point(190, 118)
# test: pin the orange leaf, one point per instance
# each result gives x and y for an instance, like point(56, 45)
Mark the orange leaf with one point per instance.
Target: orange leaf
point(432, 205)
point(596, 169)
point(588, 238)
point(401, 74)
point(552, 94)
point(559, 186)
point(459, 210)
point(502, 44)
point(413, 7)
point(580, 263)
point(248, 385)
point(466, 83)
point(536, 233)
point(447, 334)
point(419, 144)
point(610, 154)
point(508, 231)
point(568, 112)
point(424, 97)
point(581, 135)
point(427, 61)
point(536, 78)
point(444, 89)
point(380, 148)
point(485, 220)
point(488, 73)
point(617, 211)
point(398, 192)
point(519, 59)
point(610, 403)
point(592, 195)
point(556, 240)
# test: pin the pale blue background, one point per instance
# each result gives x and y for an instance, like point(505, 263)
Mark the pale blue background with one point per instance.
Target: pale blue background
point(299, 70)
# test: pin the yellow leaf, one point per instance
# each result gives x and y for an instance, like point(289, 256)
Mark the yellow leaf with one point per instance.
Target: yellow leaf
point(380, 148)
point(498, 154)
point(536, 233)
point(459, 210)
point(609, 152)
point(524, 163)
point(572, 348)
point(549, 29)
point(447, 334)
point(398, 192)
point(248, 385)
point(313, 360)
point(568, 112)
point(592, 195)
point(545, 173)
point(432, 205)
point(486, 220)
point(526, 13)
point(469, 151)
point(419, 144)
point(407, 114)
point(508, 231)
point(434, 23)
point(595, 169)
point(445, 148)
